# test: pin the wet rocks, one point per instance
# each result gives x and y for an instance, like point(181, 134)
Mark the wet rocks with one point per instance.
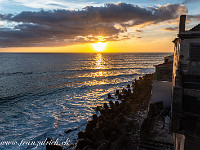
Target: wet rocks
point(119, 97)
point(110, 129)
point(68, 131)
point(51, 145)
point(81, 135)
point(110, 97)
point(105, 106)
point(117, 92)
point(112, 105)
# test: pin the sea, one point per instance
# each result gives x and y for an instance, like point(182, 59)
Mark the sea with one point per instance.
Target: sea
point(45, 95)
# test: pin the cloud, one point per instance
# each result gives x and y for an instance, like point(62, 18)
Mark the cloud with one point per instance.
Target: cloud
point(170, 29)
point(64, 27)
point(139, 31)
point(190, 1)
point(195, 17)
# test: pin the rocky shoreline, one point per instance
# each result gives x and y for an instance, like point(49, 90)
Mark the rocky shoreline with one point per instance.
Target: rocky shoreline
point(118, 126)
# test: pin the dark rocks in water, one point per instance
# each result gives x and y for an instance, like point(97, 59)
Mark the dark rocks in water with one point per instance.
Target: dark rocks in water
point(124, 91)
point(110, 131)
point(109, 111)
point(81, 135)
point(90, 125)
point(116, 104)
point(117, 92)
point(110, 97)
point(111, 104)
point(119, 97)
point(95, 118)
point(102, 111)
point(128, 86)
point(68, 131)
point(50, 145)
point(81, 144)
point(127, 95)
point(99, 108)
point(101, 118)
point(105, 106)
point(90, 134)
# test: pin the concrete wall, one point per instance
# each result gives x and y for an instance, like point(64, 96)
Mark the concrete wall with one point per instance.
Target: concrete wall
point(162, 92)
point(164, 74)
point(187, 66)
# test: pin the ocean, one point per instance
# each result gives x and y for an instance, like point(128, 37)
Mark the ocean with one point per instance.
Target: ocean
point(44, 95)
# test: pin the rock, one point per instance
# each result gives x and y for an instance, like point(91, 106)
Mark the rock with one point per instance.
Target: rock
point(99, 108)
point(128, 86)
point(124, 91)
point(113, 135)
point(104, 146)
point(117, 92)
point(110, 97)
point(95, 118)
point(111, 104)
point(68, 131)
point(101, 118)
point(50, 145)
point(116, 104)
point(89, 126)
point(101, 124)
point(109, 111)
point(105, 106)
point(119, 97)
point(81, 144)
point(102, 111)
point(90, 134)
point(81, 135)
point(106, 132)
point(121, 117)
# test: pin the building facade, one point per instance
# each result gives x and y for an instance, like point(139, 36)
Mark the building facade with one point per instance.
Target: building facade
point(185, 123)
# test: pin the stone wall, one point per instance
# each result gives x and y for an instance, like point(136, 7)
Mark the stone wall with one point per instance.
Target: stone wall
point(187, 66)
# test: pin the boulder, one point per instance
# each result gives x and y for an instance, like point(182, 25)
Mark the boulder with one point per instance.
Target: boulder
point(117, 92)
point(81, 135)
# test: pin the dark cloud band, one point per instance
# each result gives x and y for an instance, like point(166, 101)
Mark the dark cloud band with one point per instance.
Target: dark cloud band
point(63, 27)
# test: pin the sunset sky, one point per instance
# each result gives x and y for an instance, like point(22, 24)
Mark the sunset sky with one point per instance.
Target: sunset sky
point(75, 25)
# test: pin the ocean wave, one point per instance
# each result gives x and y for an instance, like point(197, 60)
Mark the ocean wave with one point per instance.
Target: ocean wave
point(64, 71)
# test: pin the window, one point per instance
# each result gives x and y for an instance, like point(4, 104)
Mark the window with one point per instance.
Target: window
point(195, 52)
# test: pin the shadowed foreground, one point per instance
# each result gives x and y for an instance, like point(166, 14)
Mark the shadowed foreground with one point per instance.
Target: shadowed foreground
point(118, 126)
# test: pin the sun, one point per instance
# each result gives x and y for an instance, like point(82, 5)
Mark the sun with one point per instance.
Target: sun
point(99, 47)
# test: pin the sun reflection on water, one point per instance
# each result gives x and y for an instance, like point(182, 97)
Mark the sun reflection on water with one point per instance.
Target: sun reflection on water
point(99, 62)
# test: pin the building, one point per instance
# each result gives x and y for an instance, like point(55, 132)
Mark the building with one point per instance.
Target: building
point(162, 86)
point(185, 123)
point(164, 71)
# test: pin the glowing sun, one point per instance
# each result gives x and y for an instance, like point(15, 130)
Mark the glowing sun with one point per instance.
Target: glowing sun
point(99, 47)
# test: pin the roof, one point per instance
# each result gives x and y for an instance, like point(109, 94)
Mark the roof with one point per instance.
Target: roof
point(196, 28)
point(167, 64)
